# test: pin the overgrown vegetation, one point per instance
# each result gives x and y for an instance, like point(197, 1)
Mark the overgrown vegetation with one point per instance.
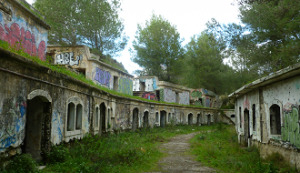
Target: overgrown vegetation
point(215, 146)
point(220, 149)
point(123, 152)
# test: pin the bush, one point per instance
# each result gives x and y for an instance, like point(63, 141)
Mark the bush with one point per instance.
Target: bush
point(58, 154)
point(22, 163)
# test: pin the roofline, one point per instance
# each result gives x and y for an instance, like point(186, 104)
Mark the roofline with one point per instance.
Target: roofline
point(284, 73)
point(109, 66)
point(35, 17)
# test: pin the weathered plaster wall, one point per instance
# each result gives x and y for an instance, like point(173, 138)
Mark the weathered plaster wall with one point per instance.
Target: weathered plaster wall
point(184, 98)
point(284, 94)
point(31, 81)
point(19, 29)
point(168, 95)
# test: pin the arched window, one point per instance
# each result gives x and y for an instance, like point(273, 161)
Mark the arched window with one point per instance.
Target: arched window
point(253, 118)
point(169, 117)
point(96, 120)
point(275, 120)
point(190, 119)
point(157, 117)
point(78, 117)
point(71, 117)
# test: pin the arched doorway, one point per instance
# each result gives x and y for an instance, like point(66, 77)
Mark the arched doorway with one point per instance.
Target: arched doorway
point(102, 118)
point(190, 119)
point(208, 119)
point(199, 119)
point(275, 120)
point(163, 118)
point(146, 119)
point(247, 127)
point(38, 127)
point(135, 119)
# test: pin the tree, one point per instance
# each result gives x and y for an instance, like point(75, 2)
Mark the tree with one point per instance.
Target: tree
point(91, 22)
point(268, 38)
point(158, 48)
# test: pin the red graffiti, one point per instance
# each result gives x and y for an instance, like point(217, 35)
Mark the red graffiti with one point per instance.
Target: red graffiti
point(21, 39)
point(149, 96)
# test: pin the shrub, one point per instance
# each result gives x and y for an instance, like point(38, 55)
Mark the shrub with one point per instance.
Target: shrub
point(22, 163)
point(58, 154)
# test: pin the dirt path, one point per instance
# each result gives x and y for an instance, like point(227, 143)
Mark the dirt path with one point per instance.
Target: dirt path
point(178, 160)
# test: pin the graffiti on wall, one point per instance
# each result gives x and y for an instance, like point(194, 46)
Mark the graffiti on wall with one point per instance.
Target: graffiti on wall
point(169, 95)
point(12, 122)
point(196, 94)
point(291, 130)
point(154, 84)
point(21, 35)
point(149, 96)
point(68, 58)
point(125, 86)
point(102, 76)
point(184, 98)
point(57, 128)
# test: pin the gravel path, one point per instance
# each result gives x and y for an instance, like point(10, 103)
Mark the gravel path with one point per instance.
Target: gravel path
point(177, 159)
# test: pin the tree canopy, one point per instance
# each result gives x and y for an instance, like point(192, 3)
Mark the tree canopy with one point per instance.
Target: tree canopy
point(91, 22)
point(157, 48)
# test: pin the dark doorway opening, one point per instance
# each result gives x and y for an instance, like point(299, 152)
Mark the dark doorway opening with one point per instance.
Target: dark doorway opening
point(38, 128)
point(102, 118)
point(146, 119)
point(135, 119)
point(246, 126)
point(163, 118)
point(190, 119)
point(208, 119)
point(199, 119)
point(275, 120)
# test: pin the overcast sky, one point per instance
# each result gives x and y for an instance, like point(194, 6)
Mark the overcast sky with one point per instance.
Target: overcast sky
point(189, 16)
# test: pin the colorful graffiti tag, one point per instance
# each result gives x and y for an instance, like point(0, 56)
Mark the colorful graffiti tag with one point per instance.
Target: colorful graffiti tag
point(12, 122)
point(19, 35)
point(102, 76)
point(125, 86)
point(291, 131)
point(149, 96)
point(68, 58)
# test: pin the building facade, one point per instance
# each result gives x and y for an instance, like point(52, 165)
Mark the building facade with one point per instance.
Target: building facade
point(267, 114)
point(83, 61)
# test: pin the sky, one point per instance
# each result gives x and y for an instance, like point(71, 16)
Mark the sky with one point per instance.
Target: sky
point(189, 17)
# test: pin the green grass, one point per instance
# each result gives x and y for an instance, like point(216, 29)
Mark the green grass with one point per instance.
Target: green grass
point(126, 152)
point(221, 150)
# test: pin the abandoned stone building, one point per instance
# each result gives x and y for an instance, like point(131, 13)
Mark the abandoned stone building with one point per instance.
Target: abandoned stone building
point(41, 107)
point(83, 61)
point(267, 113)
point(149, 87)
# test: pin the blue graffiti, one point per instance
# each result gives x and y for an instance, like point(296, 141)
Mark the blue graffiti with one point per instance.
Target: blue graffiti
point(103, 77)
point(59, 122)
point(22, 110)
point(1, 17)
point(7, 142)
point(154, 84)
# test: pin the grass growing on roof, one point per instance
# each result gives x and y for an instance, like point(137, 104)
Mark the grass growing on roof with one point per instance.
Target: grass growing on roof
point(80, 77)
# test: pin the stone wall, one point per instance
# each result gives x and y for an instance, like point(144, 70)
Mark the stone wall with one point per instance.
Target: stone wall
point(59, 108)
